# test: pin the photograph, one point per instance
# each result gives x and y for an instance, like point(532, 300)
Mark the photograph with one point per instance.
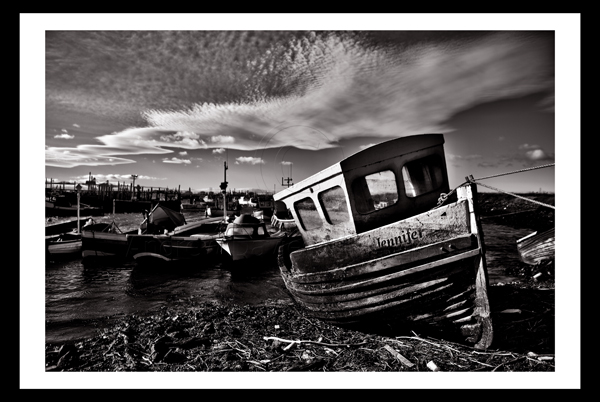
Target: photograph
point(290, 200)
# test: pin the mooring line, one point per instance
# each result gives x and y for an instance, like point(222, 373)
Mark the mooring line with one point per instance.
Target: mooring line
point(443, 197)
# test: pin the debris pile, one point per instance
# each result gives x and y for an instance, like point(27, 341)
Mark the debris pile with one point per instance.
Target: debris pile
point(281, 338)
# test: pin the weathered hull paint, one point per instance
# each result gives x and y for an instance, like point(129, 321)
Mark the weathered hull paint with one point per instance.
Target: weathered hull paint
point(241, 249)
point(102, 244)
point(64, 247)
point(171, 247)
point(426, 273)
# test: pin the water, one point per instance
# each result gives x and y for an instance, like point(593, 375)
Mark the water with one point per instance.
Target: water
point(81, 298)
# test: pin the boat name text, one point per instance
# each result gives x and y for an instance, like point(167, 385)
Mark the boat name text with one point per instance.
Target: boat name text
point(407, 237)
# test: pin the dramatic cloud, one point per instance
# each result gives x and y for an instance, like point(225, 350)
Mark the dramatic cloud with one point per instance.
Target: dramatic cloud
point(251, 91)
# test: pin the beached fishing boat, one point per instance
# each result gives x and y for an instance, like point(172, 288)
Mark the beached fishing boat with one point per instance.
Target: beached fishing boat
point(537, 248)
point(384, 248)
point(247, 237)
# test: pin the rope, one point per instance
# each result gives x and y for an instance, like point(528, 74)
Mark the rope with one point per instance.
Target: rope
point(443, 197)
point(514, 195)
point(517, 171)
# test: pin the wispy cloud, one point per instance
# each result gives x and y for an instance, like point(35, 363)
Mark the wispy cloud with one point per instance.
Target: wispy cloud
point(218, 151)
point(306, 90)
point(177, 161)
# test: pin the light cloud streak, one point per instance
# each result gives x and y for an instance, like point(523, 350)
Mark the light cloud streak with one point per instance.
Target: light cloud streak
point(249, 159)
point(312, 91)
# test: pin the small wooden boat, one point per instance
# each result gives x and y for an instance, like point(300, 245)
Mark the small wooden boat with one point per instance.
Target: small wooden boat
point(64, 244)
point(65, 227)
point(60, 206)
point(161, 219)
point(108, 240)
point(537, 248)
point(247, 237)
point(147, 249)
point(188, 242)
point(104, 240)
point(379, 253)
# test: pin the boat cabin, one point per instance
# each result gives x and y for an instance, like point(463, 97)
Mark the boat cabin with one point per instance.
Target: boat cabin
point(246, 227)
point(380, 185)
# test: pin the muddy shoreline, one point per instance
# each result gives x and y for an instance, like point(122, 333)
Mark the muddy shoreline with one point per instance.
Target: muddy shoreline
point(195, 336)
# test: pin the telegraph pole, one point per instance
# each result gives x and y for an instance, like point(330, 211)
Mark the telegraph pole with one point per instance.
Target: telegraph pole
point(288, 181)
point(224, 191)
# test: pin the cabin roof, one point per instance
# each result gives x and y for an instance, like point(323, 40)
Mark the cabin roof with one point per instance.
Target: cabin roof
point(385, 150)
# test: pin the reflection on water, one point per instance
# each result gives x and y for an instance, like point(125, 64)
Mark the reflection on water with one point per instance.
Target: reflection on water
point(80, 297)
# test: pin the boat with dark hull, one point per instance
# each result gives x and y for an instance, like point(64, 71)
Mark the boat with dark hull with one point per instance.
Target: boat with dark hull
point(61, 206)
point(380, 251)
point(104, 240)
point(147, 250)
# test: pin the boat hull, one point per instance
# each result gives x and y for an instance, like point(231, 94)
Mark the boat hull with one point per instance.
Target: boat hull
point(242, 249)
point(424, 273)
point(100, 244)
point(63, 245)
point(62, 211)
point(172, 248)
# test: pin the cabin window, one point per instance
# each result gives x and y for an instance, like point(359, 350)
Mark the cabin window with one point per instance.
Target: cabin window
point(333, 202)
point(240, 231)
point(308, 214)
point(260, 231)
point(422, 175)
point(375, 191)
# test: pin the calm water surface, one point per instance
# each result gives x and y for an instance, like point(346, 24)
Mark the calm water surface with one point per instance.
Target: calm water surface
point(81, 298)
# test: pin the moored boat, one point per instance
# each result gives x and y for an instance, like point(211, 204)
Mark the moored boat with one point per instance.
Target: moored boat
point(53, 229)
point(61, 206)
point(248, 237)
point(194, 243)
point(380, 252)
point(65, 244)
point(104, 240)
point(197, 248)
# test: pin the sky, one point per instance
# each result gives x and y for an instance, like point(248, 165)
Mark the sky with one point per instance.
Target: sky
point(172, 106)
point(171, 97)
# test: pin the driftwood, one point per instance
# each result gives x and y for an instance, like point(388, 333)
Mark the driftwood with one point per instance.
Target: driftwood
point(221, 337)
